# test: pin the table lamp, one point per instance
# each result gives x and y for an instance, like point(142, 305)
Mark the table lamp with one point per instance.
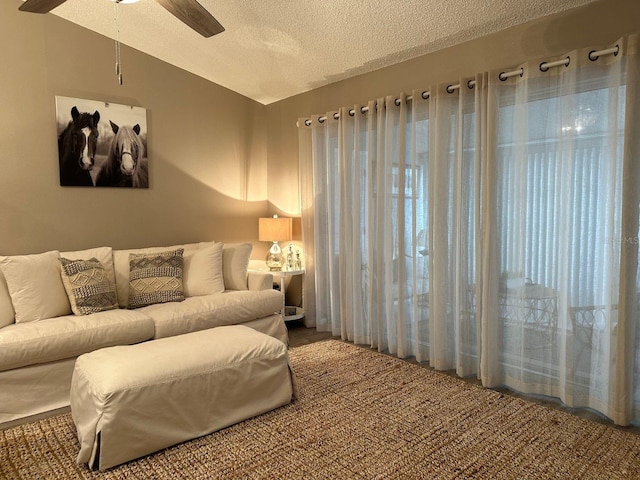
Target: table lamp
point(274, 230)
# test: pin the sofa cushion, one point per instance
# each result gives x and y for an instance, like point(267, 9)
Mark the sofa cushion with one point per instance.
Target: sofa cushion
point(121, 267)
point(199, 313)
point(58, 338)
point(259, 280)
point(7, 315)
point(235, 263)
point(88, 286)
point(203, 271)
point(155, 278)
point(35, 286)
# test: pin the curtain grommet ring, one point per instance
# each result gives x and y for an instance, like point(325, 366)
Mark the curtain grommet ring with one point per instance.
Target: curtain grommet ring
point(471, 84)
point(336, 116)
point(502, 77)
point(321, 120)
point(352, 112)
point(363, 110)
point(450, 89)
point(568, 62)
point(425, 95)
point(307, 122)
point(397, 102)
point(595, 55)
point(543, 67)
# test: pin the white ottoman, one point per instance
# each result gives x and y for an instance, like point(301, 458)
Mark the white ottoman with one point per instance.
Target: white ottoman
point(129, 401)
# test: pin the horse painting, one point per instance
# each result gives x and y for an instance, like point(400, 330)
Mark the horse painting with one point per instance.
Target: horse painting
point(77, 149)
point(124, 165)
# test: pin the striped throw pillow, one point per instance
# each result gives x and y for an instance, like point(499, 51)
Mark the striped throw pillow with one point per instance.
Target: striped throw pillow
point(155, 278)
point(88, 286)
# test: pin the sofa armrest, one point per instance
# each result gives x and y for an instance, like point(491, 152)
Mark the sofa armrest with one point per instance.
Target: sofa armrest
point(257, 280)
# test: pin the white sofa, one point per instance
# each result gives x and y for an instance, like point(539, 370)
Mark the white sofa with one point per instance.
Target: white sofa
point(41, 337)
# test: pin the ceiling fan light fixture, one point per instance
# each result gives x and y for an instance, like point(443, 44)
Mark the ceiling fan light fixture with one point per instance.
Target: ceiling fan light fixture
point(189, 12)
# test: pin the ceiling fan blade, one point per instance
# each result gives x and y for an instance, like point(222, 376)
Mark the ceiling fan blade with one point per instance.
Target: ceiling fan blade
point(194, 15)
point(40, 6)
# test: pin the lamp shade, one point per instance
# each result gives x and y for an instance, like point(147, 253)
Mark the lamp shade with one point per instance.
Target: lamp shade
point(274, 229)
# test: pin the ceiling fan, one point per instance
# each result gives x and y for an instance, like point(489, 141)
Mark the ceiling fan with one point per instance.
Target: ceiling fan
point(189, 12)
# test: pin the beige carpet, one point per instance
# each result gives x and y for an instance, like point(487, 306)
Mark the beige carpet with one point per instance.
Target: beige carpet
point(360, 415)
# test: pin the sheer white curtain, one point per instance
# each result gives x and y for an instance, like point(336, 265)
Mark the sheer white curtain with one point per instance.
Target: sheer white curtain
point(555, 297)
point(490, 228)
point(368, 188)
point(454, 222)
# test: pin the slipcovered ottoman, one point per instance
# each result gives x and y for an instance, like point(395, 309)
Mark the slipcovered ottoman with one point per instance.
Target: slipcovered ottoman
point(129, 401)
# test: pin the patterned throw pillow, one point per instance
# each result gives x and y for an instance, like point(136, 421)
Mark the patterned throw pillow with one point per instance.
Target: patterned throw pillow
point(88, 286)
point(155, 278)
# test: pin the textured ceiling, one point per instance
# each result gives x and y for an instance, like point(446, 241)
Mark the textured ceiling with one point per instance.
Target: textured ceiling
point(273, 49)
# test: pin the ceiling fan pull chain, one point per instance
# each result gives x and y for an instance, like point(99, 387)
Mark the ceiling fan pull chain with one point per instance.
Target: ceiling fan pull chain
point(118, 60)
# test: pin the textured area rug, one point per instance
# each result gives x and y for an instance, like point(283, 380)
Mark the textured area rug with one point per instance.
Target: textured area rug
point(360, 415)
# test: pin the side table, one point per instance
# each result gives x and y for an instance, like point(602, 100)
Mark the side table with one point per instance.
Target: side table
point(288, 311)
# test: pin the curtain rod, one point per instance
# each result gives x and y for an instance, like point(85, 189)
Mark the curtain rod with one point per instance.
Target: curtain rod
point(544, 66)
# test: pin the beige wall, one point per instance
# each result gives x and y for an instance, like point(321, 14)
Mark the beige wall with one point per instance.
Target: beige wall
point(207, 146)
point(597, 24)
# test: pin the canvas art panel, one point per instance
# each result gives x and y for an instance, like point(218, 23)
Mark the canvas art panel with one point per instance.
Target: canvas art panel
point(101, 144)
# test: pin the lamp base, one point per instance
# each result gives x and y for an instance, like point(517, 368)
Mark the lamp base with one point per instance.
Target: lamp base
point(275, 259)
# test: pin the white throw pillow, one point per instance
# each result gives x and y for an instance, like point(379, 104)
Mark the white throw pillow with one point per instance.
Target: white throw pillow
point(203, 271)
point(7, 315)
point(235, 262)
point(35, 286)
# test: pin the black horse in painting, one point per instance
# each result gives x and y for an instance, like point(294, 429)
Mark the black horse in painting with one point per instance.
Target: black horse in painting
point(123, 167)
point(77, 149)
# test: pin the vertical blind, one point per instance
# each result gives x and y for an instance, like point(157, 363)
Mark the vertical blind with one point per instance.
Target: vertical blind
point(490, 228)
